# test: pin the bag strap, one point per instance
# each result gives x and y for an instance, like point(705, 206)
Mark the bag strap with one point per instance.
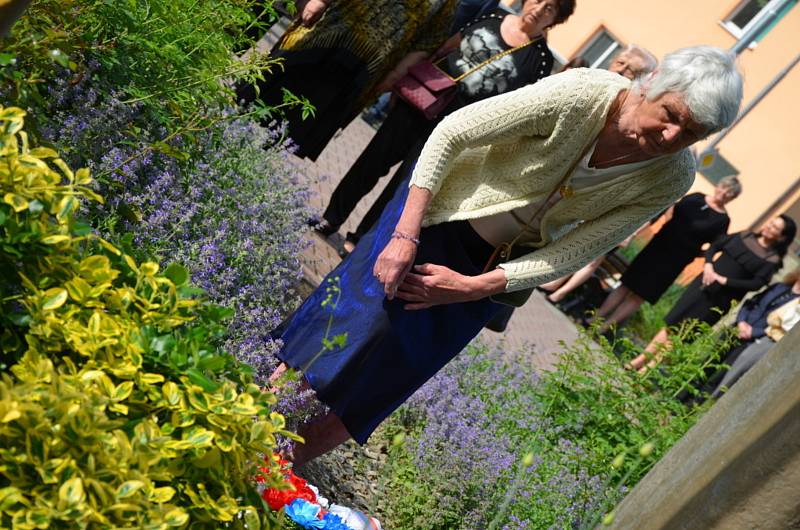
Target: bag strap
point(490, 59)
point(550, 196)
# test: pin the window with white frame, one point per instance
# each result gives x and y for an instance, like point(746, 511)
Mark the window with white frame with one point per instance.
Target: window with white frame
point(750, 12)
point(601, 49)
point(558, 61)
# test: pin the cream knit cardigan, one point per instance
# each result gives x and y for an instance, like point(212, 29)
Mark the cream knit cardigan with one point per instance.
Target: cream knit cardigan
point(511, 150)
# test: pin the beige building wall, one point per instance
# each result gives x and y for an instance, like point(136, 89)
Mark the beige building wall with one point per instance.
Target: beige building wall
point(765, 146)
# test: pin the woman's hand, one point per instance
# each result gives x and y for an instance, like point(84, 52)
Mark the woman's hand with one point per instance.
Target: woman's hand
point(431, 285)
point(393, 264)
point(745, 330)
point(709, 276)
point(312, 11)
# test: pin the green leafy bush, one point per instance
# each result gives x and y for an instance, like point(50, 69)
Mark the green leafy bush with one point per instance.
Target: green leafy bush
point(608, 409)
point(116, 409)
point(175, 55)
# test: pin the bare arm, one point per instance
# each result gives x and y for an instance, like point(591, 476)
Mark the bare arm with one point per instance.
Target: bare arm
point(669, 213)
point(396, 259)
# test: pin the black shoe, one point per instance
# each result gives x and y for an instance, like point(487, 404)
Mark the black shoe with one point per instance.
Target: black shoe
point(322, 227)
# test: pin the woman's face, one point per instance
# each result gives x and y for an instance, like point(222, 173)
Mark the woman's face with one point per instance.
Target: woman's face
point(723, 194)
point(538, 15)
point(773, 229)
point(665, 125)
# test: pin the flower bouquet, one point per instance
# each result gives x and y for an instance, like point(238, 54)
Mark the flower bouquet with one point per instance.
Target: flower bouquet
point(304, 507)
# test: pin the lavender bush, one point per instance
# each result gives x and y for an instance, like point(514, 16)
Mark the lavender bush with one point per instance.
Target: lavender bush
point(217, 201)
point(468, 430)
point(491, 445)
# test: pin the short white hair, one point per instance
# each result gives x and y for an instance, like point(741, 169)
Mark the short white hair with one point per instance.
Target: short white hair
point(706, 78)
point(649, 61)
point(732, 185)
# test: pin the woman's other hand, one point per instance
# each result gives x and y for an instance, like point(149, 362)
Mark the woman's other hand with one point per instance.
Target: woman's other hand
point(312, 11)
point(709, 276)
point(431, 285)
point(745, 330)
point(393, 264)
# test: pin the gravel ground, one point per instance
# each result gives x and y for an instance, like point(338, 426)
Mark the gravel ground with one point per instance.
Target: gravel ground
point(349, 475)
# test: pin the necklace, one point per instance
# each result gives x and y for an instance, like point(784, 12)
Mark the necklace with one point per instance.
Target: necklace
point(566, 190)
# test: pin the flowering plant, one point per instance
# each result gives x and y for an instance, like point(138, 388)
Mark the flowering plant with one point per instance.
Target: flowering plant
point(306, 508)
point(298, 488)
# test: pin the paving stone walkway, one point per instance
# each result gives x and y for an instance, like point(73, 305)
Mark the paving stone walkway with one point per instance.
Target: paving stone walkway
point(538, 324)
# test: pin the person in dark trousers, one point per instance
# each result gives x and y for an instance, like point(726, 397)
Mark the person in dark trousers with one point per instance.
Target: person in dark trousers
point(466, 11)
point(405, 129)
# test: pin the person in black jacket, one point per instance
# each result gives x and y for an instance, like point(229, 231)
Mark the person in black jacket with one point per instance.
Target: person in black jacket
point(746, 263)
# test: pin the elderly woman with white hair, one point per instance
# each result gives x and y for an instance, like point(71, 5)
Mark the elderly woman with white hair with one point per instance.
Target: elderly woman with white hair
point(507, 194)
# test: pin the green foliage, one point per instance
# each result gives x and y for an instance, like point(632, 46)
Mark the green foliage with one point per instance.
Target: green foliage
point(491, 444)
point(117, 409)
point(475, 453)
point(606, 408)
point(176, 55)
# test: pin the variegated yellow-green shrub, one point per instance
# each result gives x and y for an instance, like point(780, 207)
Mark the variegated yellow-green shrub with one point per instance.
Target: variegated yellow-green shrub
point(116, 408)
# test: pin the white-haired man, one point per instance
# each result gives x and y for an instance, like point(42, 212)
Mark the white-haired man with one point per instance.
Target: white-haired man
point(632, 62)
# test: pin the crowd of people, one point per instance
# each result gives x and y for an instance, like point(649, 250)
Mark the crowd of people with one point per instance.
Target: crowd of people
point(511, 177)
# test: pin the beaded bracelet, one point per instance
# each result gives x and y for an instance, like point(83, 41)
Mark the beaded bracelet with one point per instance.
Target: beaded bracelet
point(401, 235)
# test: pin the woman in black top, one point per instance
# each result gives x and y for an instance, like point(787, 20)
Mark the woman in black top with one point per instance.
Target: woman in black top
point(746, 263)
point(694, 220)
point(405, 129)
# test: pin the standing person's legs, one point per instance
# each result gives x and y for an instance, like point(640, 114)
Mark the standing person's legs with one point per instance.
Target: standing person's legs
point(576, 280)
point(391, 143)
point(320, 436)
point(653, 352)
point(612, 301)
point(623, 310)
point(747, 359)
point(555, 284)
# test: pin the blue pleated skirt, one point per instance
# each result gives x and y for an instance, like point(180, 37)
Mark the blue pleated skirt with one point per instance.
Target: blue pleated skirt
point(389, 352)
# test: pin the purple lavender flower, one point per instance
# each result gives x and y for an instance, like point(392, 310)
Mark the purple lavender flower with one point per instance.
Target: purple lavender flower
point(233, 212)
